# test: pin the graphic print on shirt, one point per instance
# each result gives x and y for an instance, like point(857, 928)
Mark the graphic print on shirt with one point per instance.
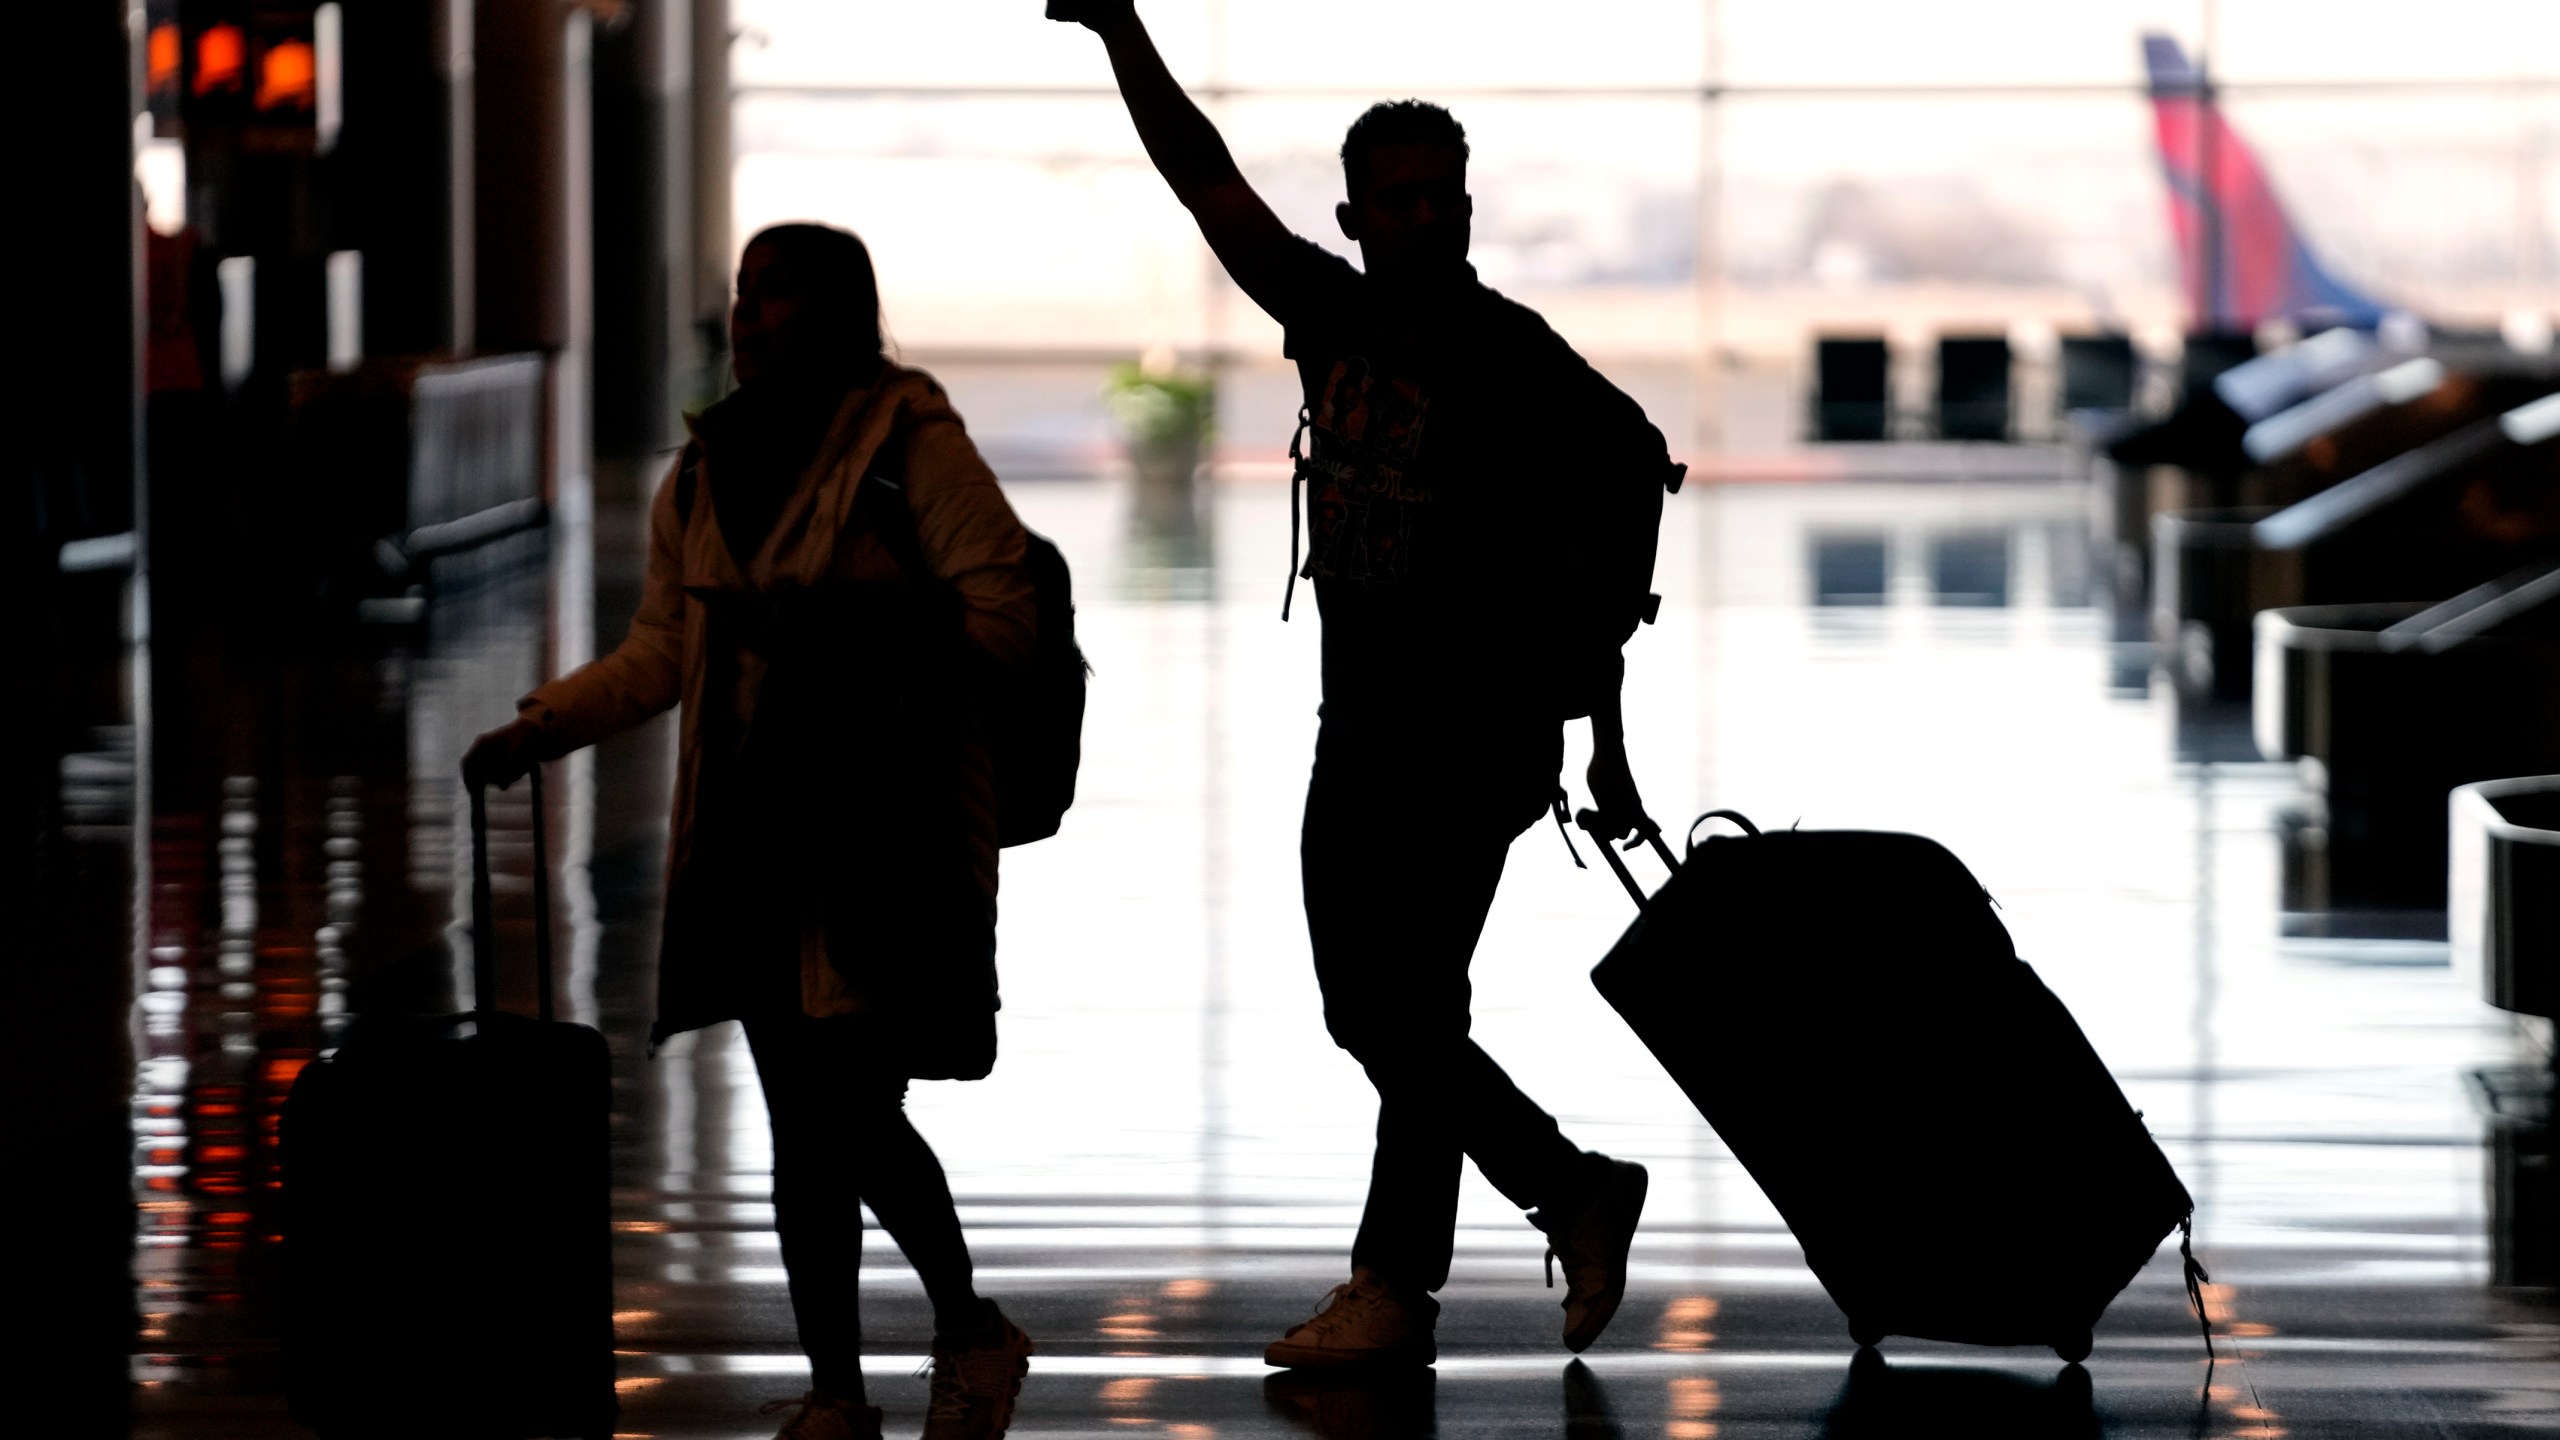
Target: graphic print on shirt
point(1362, 506)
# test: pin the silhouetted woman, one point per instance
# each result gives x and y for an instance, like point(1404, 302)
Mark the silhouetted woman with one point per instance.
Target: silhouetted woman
point(833, 574)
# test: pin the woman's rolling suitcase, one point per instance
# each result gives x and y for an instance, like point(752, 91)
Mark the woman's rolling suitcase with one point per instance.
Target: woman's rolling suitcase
point(447, 1215)
point(1847, 1012)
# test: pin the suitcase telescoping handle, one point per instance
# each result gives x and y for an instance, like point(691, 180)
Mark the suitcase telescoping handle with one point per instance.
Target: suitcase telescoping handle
point(1589, 820)
point(484, 927)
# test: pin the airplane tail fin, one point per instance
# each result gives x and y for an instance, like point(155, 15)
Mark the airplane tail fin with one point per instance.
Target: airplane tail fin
point(2241, 257)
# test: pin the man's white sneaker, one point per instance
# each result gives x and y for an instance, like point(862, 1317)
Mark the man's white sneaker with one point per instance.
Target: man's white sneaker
point(1593, 1242)
point(1361, 1323)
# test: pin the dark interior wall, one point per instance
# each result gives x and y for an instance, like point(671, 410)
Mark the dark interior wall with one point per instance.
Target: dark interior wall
point(407, 126)
point(77, 367)
point(524, 185)
point(713, 165)
point(644, 227)
point(66, 1072)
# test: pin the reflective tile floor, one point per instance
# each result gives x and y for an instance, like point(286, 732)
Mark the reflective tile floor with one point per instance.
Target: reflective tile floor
point(1165, 1169)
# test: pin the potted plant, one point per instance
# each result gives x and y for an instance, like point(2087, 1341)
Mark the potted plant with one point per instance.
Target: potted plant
point(1166, 418)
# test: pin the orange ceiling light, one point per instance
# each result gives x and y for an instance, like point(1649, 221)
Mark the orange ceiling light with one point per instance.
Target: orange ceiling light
point(222, 59)
point(289, 76)
point(162, 55)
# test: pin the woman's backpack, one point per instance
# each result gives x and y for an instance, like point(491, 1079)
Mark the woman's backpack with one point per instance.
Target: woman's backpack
point(1035, 713)
point(1036, 731)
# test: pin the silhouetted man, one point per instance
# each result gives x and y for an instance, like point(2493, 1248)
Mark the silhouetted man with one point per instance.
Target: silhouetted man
point(1482, 510)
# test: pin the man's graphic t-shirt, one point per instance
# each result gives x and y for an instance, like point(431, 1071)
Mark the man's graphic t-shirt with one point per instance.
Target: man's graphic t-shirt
point(1364, 500)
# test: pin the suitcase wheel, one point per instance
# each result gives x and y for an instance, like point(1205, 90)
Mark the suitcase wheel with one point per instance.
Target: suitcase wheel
point(1867, 1369)
point(2074, 1347)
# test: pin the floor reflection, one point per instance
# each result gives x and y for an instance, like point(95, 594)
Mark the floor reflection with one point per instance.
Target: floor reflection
point(1587, 1415)
point(1353, 1407)
point(1165, 1169)
point(1880, 1400)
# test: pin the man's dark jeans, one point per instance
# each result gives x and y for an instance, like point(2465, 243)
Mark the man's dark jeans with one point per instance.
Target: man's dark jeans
point(1400, 856)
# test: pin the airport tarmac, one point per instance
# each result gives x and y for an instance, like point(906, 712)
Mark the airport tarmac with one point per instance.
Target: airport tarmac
point(1166, 1167)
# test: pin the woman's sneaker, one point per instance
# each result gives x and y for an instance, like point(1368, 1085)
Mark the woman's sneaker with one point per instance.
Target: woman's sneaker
point(1362, 1322)
point(1593, 1242)
point(825, 1417)
point(976, 1379)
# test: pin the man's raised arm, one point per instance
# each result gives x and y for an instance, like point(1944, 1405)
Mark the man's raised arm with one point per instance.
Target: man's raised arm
point(1188, 151)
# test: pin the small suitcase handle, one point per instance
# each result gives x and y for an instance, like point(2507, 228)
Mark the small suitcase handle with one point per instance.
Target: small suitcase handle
point(484, 927)
point(1589, 820)
point(1736, 816)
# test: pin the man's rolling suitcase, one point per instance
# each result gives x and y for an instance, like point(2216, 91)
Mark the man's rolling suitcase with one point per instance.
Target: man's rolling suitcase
point(447, 1214)
point(1847, 1012)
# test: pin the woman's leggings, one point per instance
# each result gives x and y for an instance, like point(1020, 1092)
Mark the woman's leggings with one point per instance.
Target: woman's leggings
point(841, 1138)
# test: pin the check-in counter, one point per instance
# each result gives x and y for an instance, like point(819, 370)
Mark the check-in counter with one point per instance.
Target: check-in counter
point(2450, 514)
point(2505, 914)
point(2389, 707)
point(2504, 878)
point(2212, 577)
point(2432, 521)
point(2176, 485)
point(2186, 459)
point(2524, 1187)
point(2366, 420)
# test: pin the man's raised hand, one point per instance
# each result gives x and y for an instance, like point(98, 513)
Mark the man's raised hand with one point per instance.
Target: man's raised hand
point(1095, 15)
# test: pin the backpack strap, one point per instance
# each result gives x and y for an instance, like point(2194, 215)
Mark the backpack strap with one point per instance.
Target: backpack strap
point(883, 501)
point(894, 523)
point(1297, 482)
point(2196, 1279)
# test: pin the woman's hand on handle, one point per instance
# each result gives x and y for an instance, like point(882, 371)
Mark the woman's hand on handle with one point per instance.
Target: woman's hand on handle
point(503, 756)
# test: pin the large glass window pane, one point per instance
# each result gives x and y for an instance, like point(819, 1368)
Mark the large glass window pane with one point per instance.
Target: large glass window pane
point(1864, 168)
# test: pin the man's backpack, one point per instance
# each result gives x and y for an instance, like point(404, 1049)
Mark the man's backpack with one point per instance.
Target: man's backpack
point(1035, 714)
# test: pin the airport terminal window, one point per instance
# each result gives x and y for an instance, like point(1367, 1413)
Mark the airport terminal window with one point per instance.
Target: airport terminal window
point(1670, 180)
